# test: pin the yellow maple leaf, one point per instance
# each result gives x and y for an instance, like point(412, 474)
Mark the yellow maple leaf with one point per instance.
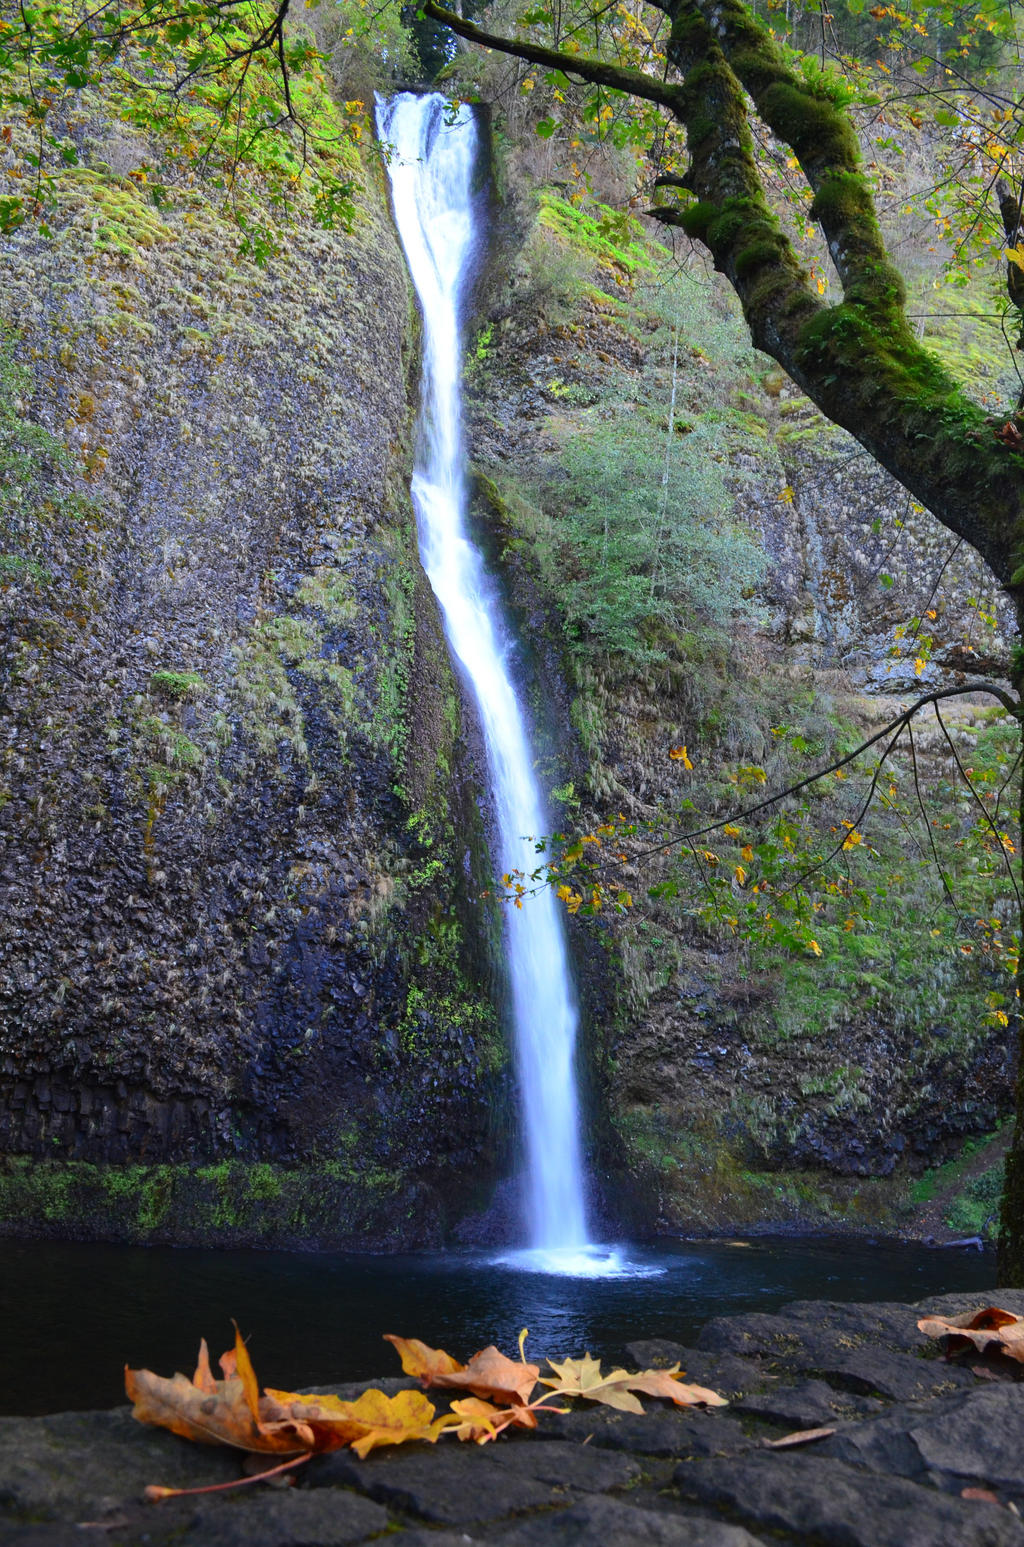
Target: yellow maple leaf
point(372, 1420)
point(583, 1378)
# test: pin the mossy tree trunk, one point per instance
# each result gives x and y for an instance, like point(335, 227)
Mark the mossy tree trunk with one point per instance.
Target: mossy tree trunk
point(860, 360)
point(1011, 1220)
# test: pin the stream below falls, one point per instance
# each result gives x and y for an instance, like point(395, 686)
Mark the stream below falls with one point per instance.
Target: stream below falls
point(74, 1314)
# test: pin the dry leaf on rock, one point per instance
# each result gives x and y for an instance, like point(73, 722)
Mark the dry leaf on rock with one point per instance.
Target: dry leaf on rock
point(488, 1374)
point(798, 1437)
point(231, 1411)
point(425, 1364)
point(372, 1419)
point(583, 1378)
point(215, 1412)
point(670, 1385)
point(991, 1328)
point(482, 1421)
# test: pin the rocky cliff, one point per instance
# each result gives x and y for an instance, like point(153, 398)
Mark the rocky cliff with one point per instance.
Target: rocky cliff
point(248, 990)
point(237, 818)
point(745, 1080)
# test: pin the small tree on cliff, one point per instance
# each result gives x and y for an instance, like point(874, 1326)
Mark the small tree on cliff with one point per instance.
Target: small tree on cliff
point(860, 360)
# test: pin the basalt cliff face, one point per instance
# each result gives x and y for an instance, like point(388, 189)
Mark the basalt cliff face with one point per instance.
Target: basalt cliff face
point(247, 986)
point(745, 1083)
point(236, 807)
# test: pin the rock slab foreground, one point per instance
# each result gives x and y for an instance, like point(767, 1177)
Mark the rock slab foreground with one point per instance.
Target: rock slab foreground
point(924, 1454)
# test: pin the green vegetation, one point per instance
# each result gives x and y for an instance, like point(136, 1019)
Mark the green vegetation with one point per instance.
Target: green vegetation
point(215, 1204)
point(601, 234)
point(967, 1190)
point(647, 554)
point(257, 120)
point(282, 651)
point(976, 1210)
point(703, 1179)
point(391, 720)
point(863, 953)
point(629, 525)
point(178, 685)
point(179, 755)
point(33, 483)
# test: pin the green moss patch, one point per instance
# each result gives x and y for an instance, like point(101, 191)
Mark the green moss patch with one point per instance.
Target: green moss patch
point(224, 1203)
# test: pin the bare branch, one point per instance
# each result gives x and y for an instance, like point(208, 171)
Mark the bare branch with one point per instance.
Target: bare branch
point(1010, 703)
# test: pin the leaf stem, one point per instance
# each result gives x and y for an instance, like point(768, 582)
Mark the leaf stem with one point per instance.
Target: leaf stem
point(154, 1493)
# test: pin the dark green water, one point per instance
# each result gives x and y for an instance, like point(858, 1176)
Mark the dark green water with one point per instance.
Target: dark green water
point(73, 1315)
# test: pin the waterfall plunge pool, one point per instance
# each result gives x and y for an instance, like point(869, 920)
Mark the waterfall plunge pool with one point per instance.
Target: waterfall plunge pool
point(73, 1314)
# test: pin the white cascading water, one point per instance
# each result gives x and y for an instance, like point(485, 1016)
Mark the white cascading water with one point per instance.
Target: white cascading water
point(432, 161)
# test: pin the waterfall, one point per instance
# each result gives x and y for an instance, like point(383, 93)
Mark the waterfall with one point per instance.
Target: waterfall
point(432, 161)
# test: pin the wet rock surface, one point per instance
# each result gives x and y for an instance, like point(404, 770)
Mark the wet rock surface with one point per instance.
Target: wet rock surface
point(893, 1474)
point(233, 743)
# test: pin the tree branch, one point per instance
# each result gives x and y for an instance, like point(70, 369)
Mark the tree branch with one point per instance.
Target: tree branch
point(860, 361)
point(597, 71)
point(1009, 701)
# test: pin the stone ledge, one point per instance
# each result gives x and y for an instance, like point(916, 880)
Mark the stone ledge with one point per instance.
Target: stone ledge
point(892, 1475)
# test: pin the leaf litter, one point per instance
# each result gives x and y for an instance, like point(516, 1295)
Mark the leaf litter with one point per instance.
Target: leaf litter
point(293, 1426)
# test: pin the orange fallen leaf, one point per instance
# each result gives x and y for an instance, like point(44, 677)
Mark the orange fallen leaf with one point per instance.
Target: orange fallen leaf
point(425, 1364)
point(984, 1494)
point(1010, 435)
point(991, 1328)
point(482, 1421)
point(231, 1412)
point(215, 1412)
point(488, 1374)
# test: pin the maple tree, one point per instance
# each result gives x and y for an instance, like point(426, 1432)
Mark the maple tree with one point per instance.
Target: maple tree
point(232, 1412)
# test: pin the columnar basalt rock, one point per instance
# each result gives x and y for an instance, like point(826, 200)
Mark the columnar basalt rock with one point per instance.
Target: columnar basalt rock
point(234, 798)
